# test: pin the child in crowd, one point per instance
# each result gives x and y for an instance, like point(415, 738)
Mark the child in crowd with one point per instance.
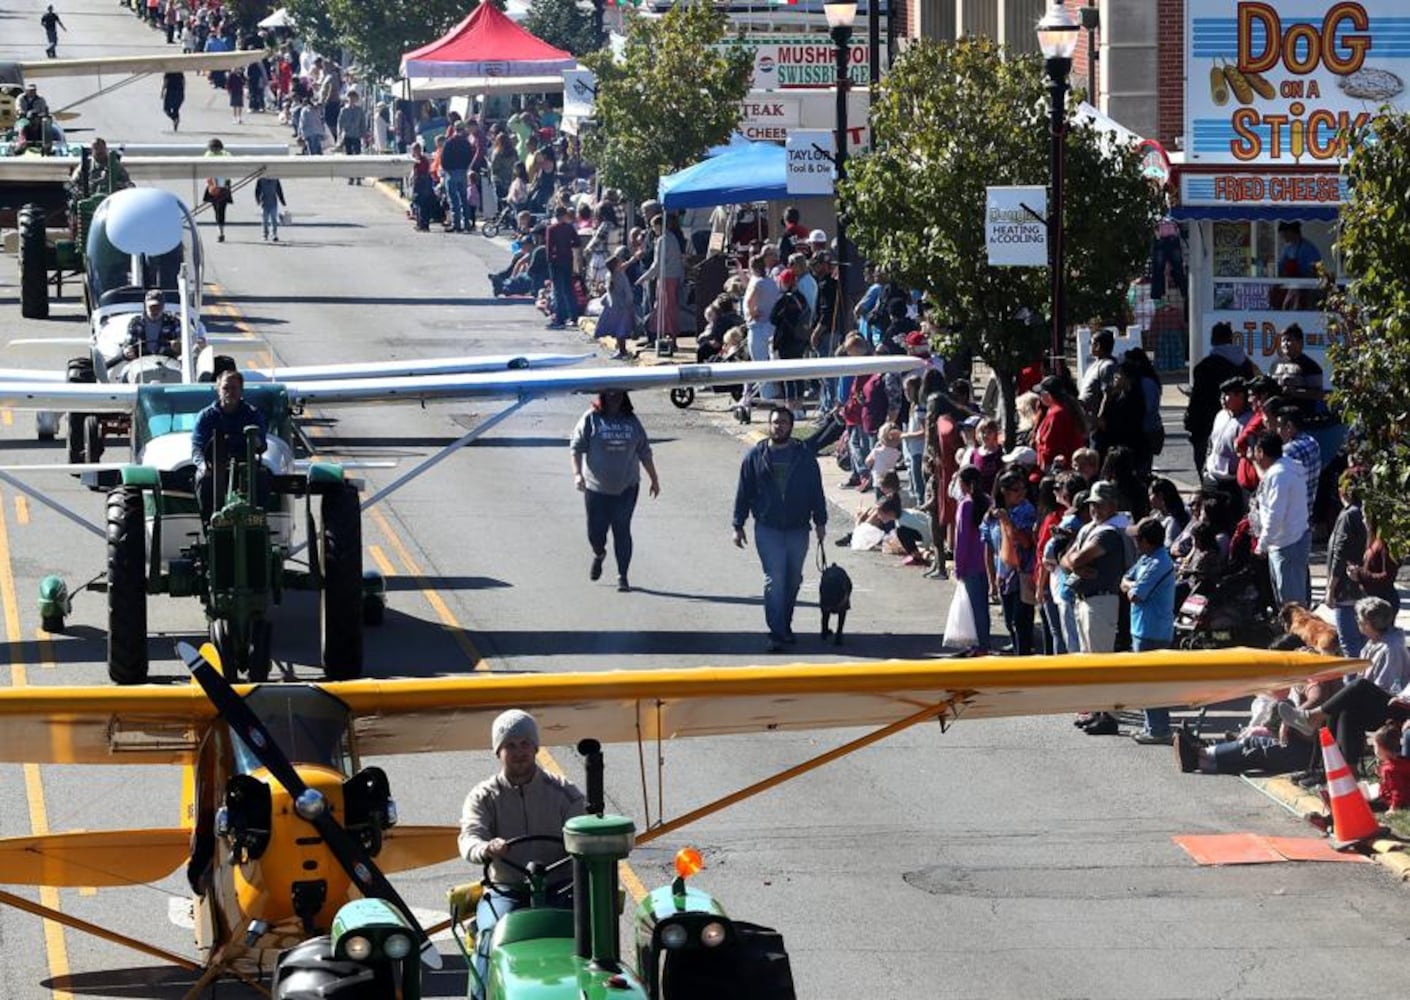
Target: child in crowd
point(970, 555)
point(1394, 767)
point(969, 437)
point(1087, 464)
point(913, 439)
point(988, 457)
point(886, 455)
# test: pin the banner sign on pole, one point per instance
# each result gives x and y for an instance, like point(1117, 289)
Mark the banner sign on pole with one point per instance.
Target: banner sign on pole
point(810, 161)
point(1015, 236)
point(579, 92)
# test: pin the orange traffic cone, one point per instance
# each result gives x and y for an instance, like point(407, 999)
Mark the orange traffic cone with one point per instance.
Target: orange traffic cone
point(1352, 820)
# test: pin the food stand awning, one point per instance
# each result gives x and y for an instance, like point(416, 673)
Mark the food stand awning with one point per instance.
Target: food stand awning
point(486, 44)
point(429, 88)
point(754, 172)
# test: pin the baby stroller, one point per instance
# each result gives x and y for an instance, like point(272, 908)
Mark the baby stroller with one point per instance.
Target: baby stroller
point(504, 222)
point(734, 348)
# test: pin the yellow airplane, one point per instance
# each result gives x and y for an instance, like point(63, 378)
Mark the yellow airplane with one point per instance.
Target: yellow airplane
point(281, 821)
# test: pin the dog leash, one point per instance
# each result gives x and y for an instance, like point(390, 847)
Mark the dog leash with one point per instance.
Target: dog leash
point(820, 559)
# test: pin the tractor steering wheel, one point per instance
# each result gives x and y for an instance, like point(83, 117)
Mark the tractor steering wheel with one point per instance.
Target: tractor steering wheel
point(507, 889)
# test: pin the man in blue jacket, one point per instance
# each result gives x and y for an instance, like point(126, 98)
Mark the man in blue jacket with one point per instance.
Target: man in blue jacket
point(781, 485)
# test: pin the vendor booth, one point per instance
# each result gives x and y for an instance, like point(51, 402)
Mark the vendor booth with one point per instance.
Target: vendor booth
point(486, 53)
point(1267, 92)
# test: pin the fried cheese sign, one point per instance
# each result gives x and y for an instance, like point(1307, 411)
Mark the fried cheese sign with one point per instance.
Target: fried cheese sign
point(1285, 83)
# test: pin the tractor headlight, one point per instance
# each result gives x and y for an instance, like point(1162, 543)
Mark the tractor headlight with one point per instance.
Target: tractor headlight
point(391, 819)
point(358, 948)
point(396, 946)
point(674, 936)
point(712, 935)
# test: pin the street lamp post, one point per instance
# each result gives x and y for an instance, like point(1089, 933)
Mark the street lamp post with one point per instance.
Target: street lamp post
point(1057, 38)
point(840, 15)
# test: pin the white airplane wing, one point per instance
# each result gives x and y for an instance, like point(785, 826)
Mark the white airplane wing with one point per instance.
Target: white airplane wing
point(33, 169)
point(408, 368)
point(516, 384)
point(176, 62)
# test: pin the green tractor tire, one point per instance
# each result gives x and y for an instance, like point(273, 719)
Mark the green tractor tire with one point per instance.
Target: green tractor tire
point(127, 587)
point(34, 264)
point(78, 370)
point(93, 444)
point(340, 603)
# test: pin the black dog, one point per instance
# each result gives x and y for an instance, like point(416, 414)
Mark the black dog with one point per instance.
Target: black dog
point(834, 598)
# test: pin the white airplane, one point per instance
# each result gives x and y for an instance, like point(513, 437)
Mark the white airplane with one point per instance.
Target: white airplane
point(141, 239)
point(128, 69)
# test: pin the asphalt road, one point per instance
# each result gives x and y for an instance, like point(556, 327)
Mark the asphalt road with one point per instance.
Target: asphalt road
point(999, 859)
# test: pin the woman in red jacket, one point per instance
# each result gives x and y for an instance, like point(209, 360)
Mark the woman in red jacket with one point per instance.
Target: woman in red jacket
point(1063, 428)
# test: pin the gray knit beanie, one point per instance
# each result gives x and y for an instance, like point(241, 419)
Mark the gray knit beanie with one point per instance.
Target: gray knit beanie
point(511, 724)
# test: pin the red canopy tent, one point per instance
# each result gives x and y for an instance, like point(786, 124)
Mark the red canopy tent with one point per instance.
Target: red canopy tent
point(486, 44)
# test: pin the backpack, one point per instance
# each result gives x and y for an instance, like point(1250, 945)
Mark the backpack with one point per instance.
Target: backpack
point(875, 403)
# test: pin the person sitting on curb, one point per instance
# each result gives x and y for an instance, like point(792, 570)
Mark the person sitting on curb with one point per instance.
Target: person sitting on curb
point(1369, 701)
point(1257, 747)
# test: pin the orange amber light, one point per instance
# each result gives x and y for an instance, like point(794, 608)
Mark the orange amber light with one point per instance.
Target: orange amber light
point(689, 862)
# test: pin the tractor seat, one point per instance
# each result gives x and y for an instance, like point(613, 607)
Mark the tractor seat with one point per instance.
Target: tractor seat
point(525, 925)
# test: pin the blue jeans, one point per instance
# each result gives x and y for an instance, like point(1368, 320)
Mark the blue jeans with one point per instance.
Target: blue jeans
point(455, 195)
point(1018, 619)
point(1054, 641)
point(1157, 719)
point(612, 511)
point(977, 587)
point(565, 307)
point(914, 469)
point(859, 446)
point(781, 553)
point(314, 144)
point(1287, 565)
point(1350, 635)
point(269, 213)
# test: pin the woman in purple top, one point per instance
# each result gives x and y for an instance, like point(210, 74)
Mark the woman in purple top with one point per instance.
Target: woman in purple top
point(970, 559)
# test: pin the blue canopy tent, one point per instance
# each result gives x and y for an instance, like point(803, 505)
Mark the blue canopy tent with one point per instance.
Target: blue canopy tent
point(757, 171)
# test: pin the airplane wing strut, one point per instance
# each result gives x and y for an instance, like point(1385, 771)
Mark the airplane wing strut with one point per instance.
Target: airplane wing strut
point(942, 711)
point(53, 505)
point(489, 423)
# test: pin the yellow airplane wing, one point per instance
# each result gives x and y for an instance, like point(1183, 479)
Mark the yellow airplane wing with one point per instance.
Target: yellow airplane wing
point(407, 847)
point(161, 725)
point(410, 716)
point(97, 858)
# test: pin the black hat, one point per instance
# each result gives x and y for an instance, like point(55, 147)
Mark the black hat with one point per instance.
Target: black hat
point(1262, 386)
point(1290, 412)
point(1233, 385)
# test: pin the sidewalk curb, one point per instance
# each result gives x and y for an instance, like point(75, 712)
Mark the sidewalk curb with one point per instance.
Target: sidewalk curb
point(1385, 851)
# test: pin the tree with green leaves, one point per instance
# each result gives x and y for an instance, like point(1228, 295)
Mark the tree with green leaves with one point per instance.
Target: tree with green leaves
point(565, 25)
point(376, 35)
point(951, 119)
point(1370, 321)
point(675, 93)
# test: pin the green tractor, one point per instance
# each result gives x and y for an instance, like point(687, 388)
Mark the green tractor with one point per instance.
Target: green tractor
point(50, 217)
point(686, 947)
point(236, 561)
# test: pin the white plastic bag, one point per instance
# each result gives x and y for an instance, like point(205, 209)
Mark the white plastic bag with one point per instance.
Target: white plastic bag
point(960, 630)
point(285, 216)
point(867, 536)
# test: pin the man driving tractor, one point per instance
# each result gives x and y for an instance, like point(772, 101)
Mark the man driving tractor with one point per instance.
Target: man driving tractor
point(222, 426)
point(522, 800)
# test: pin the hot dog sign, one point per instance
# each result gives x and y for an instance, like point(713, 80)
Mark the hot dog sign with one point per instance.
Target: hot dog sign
point(1278, 82)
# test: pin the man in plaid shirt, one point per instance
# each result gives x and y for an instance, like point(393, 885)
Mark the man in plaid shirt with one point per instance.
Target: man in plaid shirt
point(1300, 445)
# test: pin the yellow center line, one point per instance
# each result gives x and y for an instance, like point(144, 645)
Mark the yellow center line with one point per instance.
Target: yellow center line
point(56, 950)
point(443, 612)
point(7, 416)
point(21, 508)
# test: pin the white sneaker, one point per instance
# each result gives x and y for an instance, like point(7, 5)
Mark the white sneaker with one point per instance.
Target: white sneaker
point(1296, 718)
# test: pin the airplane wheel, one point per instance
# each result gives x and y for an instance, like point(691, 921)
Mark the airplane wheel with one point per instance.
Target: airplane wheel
point(340, 607)
point(682, 397)
point(34, 264)
point(92, 438)
point(127, 587)
point(374, 610)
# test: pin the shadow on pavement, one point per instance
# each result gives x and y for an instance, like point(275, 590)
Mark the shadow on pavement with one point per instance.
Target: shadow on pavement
point(670, 642)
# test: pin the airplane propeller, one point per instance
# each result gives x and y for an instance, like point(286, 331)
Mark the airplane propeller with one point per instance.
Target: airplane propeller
point(309, 803)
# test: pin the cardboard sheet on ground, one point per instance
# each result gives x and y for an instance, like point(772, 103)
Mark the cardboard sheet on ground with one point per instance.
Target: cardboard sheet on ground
point(1254, 849)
